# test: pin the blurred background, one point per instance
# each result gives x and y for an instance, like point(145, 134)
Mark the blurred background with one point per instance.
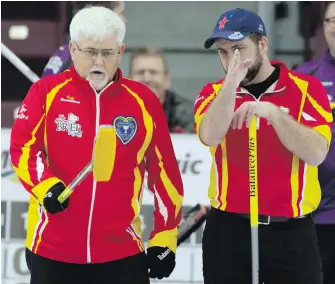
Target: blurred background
point(35, 30)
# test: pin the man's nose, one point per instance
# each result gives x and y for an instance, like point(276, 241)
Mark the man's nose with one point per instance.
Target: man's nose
point(146, 76)
point(99, 60)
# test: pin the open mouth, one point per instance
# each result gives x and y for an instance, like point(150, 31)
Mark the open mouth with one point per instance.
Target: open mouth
point(97, 72)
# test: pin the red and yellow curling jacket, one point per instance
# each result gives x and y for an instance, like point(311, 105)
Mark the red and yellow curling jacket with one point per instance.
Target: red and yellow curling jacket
point(52, 141)
point(287, 186)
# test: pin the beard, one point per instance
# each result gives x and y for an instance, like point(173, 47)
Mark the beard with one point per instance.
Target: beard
point(254, 69)
point(98, 84)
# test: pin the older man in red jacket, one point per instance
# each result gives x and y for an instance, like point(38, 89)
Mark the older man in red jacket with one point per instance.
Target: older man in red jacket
point(96, 236)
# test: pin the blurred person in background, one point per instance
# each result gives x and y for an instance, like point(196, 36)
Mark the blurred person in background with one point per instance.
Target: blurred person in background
point(61, 59)
point(324, 216)
point(149, 66)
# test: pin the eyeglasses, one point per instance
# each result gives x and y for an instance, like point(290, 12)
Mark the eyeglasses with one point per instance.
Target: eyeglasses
point(92, 53)
point(331, 21)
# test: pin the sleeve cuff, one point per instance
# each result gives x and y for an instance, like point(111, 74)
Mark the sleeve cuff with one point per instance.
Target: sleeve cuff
point(42, 188)
point(166, 238)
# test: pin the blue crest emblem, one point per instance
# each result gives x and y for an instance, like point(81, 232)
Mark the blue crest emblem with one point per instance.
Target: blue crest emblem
point(125, 128)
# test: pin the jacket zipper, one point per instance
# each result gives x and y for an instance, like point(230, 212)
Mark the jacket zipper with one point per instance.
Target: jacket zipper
point(94, 188)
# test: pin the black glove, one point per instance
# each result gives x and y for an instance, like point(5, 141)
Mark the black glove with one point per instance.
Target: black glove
point(51, 203)
point(161, 262)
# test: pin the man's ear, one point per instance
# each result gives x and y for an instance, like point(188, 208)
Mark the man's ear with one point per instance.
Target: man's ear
point(72, 48)
point(264, 45)
point(122, 48)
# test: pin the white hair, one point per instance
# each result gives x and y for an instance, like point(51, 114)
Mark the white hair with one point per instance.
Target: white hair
point(96, 23)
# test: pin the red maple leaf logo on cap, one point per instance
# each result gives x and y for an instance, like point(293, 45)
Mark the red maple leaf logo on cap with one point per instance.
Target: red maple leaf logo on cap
point(223, 22)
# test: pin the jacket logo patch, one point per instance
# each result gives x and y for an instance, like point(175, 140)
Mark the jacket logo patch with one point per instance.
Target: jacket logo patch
point(69, 125)
point(126, 128)
point(21, 114)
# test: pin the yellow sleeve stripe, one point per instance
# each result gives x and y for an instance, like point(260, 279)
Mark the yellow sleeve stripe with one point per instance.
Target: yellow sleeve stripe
point(295, 184)
point(42, 188)
point(197, 124)
point(166, 238)
point(303, 86)
point(52, 94)
point(148, 123)
point(198, 115)
point(23, 171)
point(325, 131)
point(175, 197)
point(23, 174)
point(135, 200)
point(328, 116)
point(23, 167)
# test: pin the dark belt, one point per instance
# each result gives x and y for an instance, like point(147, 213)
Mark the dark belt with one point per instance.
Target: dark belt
point(267, 220)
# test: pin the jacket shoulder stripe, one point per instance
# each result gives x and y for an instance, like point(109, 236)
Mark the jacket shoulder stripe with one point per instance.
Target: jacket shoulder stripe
point(52, 94)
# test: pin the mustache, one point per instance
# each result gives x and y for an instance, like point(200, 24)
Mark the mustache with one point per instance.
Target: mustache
point(97, 69)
